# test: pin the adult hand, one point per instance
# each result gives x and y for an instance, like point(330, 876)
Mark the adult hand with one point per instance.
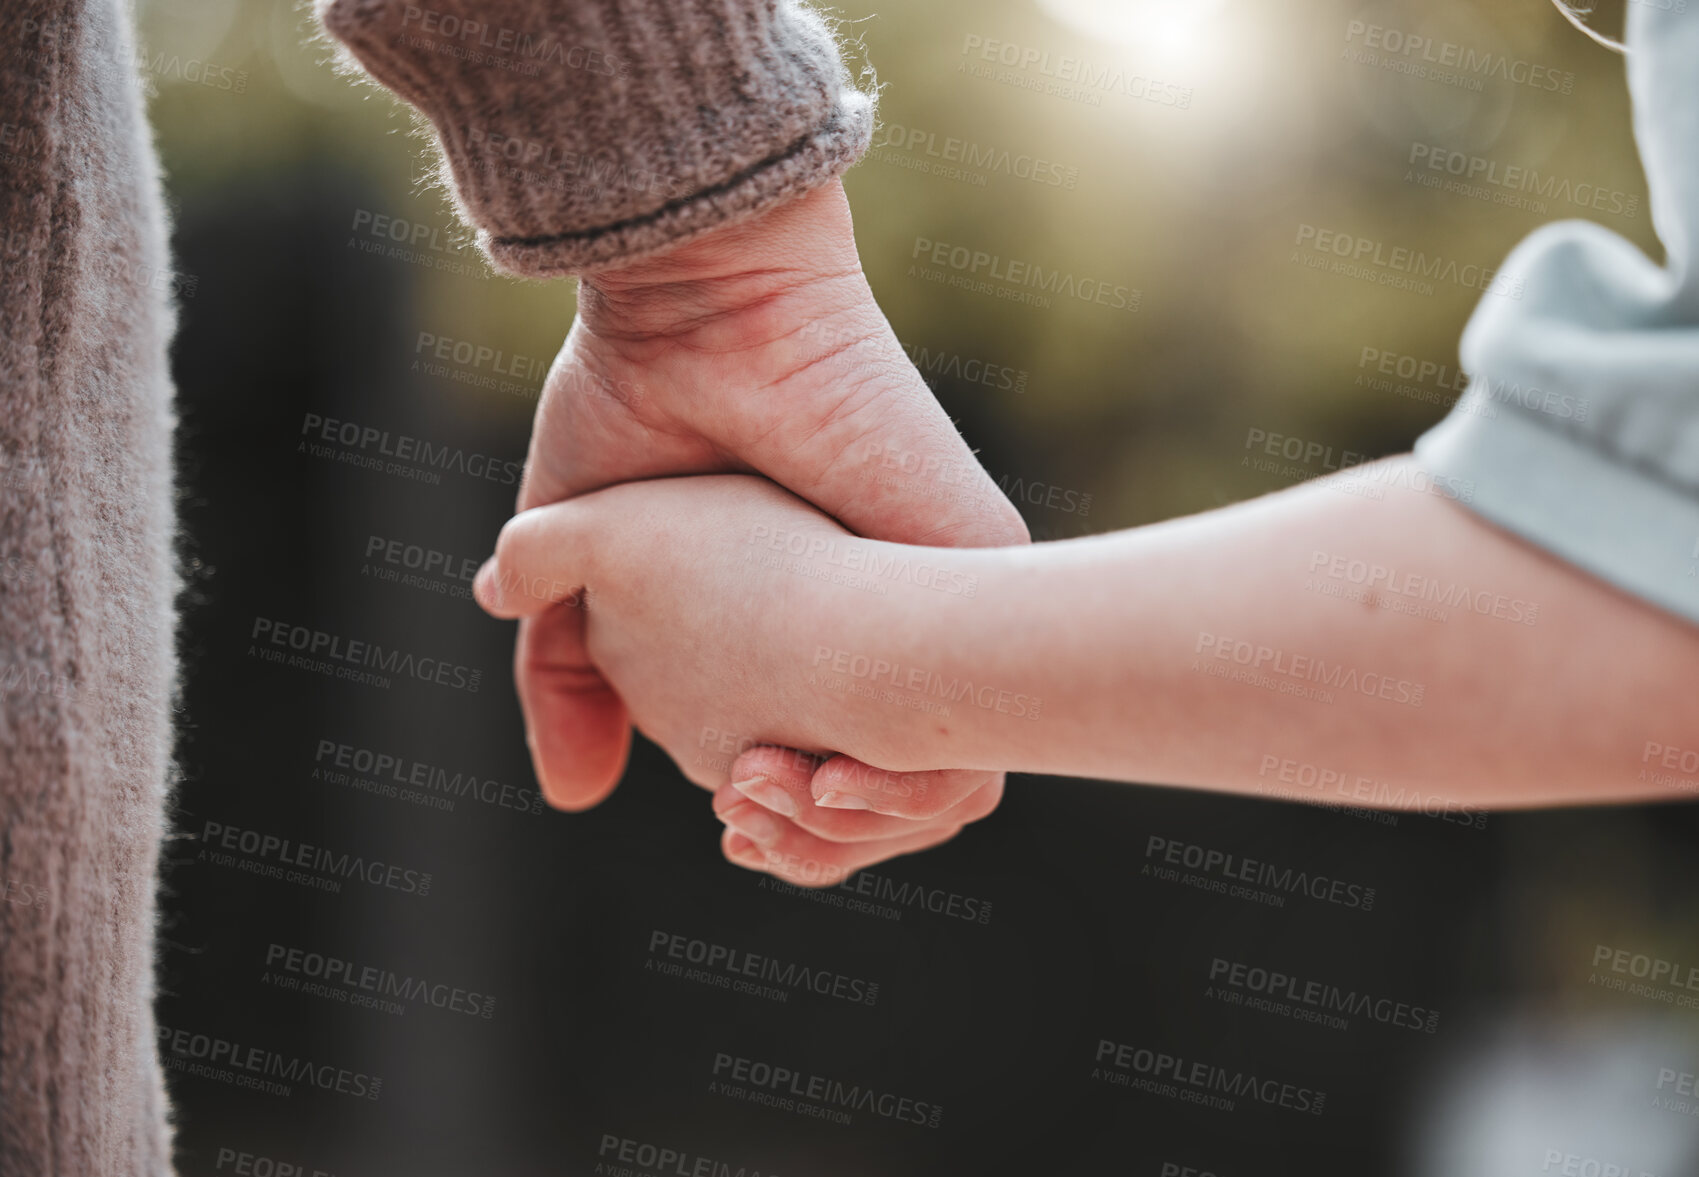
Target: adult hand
point(756, 348)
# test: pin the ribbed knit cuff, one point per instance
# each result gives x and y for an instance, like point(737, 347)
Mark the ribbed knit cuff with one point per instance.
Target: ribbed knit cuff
point(585, 132)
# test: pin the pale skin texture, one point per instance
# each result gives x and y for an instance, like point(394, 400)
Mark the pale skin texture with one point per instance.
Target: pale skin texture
point(757, 347)
point(1112, 636)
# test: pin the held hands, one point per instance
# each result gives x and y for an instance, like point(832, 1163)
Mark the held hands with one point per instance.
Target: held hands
point(756, 348)
point(714, 638)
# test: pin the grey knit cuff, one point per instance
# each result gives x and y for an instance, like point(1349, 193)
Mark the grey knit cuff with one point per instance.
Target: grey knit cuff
point(586, 133)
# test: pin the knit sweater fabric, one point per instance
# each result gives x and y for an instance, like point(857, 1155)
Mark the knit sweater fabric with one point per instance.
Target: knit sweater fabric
point(575, 136)
point(86, 594)
point(579, 134)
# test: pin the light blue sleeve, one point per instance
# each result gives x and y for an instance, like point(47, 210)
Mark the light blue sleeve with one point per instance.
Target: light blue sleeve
point(1580, 427)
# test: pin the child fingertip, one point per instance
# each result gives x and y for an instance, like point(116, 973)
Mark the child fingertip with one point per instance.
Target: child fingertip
point(486, 586)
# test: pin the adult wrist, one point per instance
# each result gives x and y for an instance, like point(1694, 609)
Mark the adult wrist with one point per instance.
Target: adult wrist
point(797, 258)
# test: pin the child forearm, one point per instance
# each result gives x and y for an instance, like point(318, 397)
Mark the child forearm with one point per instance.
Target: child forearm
point(1382, 651)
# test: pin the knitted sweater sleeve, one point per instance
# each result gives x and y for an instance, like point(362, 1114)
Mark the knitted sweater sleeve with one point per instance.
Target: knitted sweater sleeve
point(580, 133)
point(86, 585)
point(1580, 429)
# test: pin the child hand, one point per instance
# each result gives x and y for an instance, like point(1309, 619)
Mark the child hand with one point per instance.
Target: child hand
point(712, 610)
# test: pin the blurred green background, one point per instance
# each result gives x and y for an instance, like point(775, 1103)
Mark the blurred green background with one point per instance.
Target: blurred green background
point(1197, 209)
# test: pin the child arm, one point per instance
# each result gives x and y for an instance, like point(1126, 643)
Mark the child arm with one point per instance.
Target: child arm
point(1359, 639)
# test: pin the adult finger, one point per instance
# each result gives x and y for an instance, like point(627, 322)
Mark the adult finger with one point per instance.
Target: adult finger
point(844, 782)
point(777, 780)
